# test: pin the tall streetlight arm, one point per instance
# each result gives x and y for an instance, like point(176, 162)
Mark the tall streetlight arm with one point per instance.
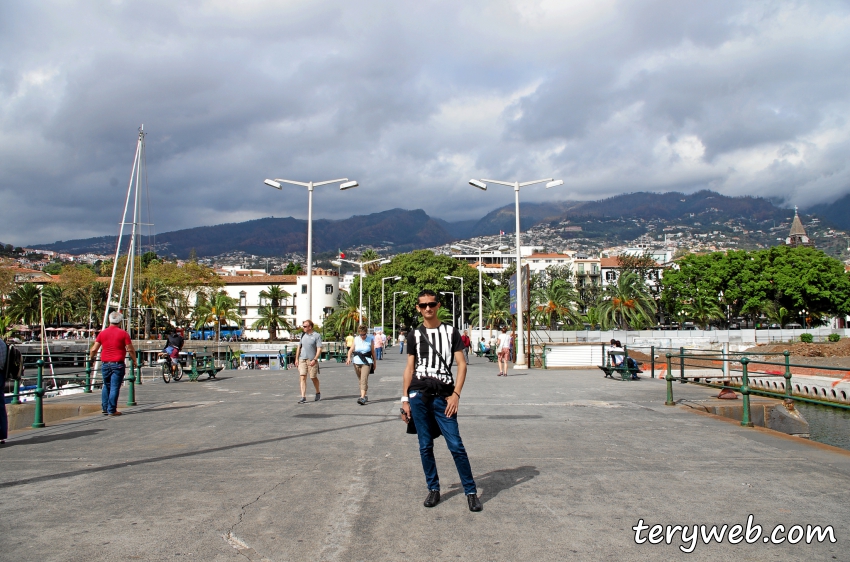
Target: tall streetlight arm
point(276, 183)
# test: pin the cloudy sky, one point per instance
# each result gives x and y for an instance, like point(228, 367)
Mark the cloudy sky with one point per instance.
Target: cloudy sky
point(412, 99)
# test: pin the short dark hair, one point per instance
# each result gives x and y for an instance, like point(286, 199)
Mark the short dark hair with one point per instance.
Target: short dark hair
point(427, 293)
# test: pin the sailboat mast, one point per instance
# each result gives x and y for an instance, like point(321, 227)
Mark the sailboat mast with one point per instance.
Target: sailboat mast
point(121, 235)
point(132, 252)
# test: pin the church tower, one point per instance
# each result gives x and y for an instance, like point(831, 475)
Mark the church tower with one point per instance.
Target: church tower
point(797, 236)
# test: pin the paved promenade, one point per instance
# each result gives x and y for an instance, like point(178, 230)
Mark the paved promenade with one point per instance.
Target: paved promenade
point(566, 463)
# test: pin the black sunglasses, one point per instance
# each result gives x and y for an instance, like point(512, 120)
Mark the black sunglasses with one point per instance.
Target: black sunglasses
point(424, 305)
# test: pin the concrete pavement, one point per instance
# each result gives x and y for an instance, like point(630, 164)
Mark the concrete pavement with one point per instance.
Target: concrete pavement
point(566, 463)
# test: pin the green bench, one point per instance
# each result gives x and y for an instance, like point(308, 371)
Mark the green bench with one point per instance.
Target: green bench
point(621, 371)
point(489, 355)
point(202, 365)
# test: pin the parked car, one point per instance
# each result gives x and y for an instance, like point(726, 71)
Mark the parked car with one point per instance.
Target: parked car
point(734, 326)
point(793, 326)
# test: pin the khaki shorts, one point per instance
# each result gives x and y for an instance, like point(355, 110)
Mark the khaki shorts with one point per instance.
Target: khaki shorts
point(362, 372)
point(304, 368)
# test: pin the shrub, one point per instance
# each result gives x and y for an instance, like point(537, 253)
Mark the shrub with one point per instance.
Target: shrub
point(806, 338)
point(834, 337)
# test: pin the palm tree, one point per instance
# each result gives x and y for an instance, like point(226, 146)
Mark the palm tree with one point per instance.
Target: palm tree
point(495, 308)
point(554, 303)
point(152, 295)
point(594, 319)
point(346, 317)
point(777, 314)
point(219, 309)
point(703, 309)
point(57, 304)
point(24, 304)
point(272, 316)
point(369, 255)
point(627, 303)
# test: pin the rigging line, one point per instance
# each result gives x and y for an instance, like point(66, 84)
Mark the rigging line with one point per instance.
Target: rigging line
point(151, 245)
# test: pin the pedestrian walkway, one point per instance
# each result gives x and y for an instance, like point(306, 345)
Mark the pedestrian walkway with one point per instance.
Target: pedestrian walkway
point(566, 464)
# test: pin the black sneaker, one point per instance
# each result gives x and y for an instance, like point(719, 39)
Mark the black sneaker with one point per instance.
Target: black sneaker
point(362, 401)
point(318, 397)
point(474, 502)
point(432, 499)
point(303, 400)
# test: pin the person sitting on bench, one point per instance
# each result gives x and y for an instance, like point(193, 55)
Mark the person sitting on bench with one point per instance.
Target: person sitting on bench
point(483, 347)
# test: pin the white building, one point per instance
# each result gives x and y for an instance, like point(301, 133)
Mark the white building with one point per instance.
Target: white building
point(247, 289)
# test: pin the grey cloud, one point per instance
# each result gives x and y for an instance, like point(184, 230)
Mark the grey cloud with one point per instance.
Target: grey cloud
point(412, 99)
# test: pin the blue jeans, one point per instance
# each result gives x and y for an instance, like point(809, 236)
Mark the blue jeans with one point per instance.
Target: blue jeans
point(401, 345)
point(420, 409)
point(113, 376)
point(379, 352)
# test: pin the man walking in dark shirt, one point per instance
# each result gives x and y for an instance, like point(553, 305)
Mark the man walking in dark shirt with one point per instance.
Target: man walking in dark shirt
point(430, 395)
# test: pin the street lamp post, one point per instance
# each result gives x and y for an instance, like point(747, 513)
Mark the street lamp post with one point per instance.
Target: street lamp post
point(521, 362)
point(452, 293)
point(394, 278)
point(361, 264)
point(394, 294)
point(462, 317)
point(480, 268)
point(344, 184)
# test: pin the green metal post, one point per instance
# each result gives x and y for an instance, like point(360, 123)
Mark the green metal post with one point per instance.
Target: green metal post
point(87, 389)
point(652, 362)
point(787, 374)
point(16, 390)
point(682, 365)
point(38, 419)
point(131, 386)
point(745, 392)
point(669, 379)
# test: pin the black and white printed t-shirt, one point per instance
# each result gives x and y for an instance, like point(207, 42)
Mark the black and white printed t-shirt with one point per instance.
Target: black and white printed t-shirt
point(446, 340)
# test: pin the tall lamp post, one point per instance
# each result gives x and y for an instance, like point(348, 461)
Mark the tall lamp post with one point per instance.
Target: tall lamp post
point(394, 294)
point(521, 362)
point(394, 278)
point(361, 264)
point(457, 247)
point(452, 293)
point(462, 317)
point(344, 184)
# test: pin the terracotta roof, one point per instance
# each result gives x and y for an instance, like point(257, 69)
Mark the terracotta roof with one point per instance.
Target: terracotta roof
point(562, 256)
point(260, 280)
point(609, 262)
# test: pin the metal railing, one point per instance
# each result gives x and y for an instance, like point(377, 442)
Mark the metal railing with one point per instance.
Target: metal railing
point(729, 361)
point(77, 378)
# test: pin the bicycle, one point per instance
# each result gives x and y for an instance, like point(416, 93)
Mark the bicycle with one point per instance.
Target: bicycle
point(170, 369)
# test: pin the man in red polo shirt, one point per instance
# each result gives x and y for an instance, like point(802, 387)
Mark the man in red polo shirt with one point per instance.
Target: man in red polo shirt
point(115, 343)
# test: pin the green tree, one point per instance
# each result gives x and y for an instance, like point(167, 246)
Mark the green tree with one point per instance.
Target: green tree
point(292, 269)
point(555, 302)
point(57, 304)
point(24, 304)
point(218, 309)
point(271, 316)
point(702, 309)
point(419, 270)
point(346, 317)
point(153, 296)
point(627, 303)
point(495, 308)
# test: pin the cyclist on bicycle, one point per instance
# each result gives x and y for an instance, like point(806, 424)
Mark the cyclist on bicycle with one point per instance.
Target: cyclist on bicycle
point(175, 344)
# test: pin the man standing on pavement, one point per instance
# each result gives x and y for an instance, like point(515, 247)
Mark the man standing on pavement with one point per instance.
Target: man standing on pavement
point(466, 343)
point(115, 343)
point(308, 353)
point(430, 395)
point(379, 346)
point(363, 351)
point(349, 341)
point(504, 351)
